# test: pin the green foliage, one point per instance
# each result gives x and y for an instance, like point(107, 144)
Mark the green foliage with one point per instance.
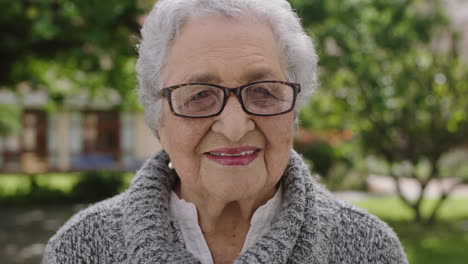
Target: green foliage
point(10, 119)
point(61, 188)
point(322, 155)
point(383, 81)
point(66, 47)
point(404, 101)
point(18, 189)
point(334, 163)
point(97, 185)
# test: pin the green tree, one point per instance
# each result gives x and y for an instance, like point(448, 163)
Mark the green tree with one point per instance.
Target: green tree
point(65, 47)
point(68, 48)
point(382, 79)
point(9, 123)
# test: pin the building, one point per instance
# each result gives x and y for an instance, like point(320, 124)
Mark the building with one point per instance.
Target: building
point(77, 137)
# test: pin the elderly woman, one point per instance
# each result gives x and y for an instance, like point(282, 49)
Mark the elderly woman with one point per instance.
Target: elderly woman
point(221, 82)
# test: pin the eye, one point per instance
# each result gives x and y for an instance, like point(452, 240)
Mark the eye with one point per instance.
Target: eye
point(201, 101)
point(260, 92)
point(199, 95)
point(268, 98)
point(197, 100)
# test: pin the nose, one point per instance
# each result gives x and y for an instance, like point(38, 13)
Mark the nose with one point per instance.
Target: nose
point(233, 123)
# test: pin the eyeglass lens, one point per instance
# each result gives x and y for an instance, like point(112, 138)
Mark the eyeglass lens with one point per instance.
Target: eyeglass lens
point(205, 100)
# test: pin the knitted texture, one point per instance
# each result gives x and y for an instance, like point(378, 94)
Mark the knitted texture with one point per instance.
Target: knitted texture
point(135, 227)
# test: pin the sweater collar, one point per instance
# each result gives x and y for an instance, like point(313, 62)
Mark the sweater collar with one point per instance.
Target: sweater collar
point(149, 236)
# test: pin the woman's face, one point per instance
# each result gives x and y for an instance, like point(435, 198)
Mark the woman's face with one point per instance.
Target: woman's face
point(213, 156)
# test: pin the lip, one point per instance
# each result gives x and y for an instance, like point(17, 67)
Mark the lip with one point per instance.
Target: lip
point(242, 160)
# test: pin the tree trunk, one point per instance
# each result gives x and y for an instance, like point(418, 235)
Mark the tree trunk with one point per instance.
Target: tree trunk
point(445, 194)
point(417, 213)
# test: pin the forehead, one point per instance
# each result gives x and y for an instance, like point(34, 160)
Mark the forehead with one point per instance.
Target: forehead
point(219, 50)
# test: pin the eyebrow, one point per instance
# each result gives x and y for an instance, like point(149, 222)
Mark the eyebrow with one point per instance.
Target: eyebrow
point(258, 74)
point(250, 76)
point(204, 78)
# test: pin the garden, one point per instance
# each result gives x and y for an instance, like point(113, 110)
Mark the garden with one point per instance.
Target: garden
point(392, 101)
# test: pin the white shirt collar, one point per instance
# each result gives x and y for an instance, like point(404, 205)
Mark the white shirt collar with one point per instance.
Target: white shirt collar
point(185, 214)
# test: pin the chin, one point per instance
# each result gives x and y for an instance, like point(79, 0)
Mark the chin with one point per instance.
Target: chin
point(235, 187)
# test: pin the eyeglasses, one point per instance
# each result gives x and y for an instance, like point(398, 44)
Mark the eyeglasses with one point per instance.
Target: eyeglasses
point(263, 98)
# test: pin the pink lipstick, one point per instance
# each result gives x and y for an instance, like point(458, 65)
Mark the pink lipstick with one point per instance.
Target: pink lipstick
point(235, 156)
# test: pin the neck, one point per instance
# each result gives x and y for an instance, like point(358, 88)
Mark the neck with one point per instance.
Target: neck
point(224, 224)
point(216, 216)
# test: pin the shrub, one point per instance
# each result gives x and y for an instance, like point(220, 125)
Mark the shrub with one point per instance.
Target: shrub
point(97, 185)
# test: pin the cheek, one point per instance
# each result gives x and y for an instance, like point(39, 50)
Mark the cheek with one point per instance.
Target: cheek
point(179, 135)
point(279, 133)
point(181, 138)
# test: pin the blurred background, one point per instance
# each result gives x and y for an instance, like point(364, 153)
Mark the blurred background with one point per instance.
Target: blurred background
point(387, 129)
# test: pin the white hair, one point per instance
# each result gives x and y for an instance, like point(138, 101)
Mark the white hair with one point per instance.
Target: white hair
point(167, 18)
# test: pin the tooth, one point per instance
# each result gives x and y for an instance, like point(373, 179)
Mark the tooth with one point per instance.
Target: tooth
point(233, 155)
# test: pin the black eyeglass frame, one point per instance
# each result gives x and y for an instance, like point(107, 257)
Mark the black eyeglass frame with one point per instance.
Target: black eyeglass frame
point(166, 92)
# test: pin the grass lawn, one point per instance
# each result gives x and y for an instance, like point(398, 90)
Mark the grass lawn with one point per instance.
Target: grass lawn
point(446, 242)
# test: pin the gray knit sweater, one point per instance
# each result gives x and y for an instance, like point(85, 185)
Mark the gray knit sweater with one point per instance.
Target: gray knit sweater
point(135, 227)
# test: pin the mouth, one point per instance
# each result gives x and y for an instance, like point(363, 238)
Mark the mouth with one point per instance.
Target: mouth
point(236, 156)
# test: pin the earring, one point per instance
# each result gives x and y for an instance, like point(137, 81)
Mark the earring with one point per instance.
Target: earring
point(170, 165)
